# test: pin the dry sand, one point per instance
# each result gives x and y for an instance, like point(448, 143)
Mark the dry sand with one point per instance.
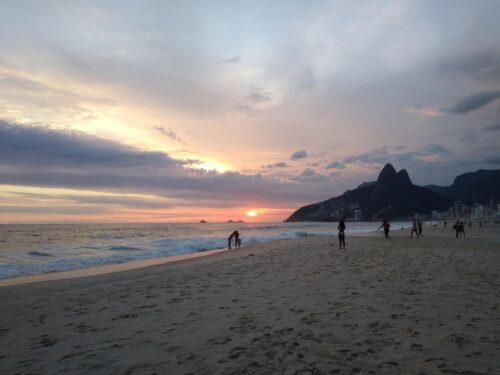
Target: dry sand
point(426, 306)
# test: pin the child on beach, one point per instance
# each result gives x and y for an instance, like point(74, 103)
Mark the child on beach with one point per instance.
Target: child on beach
point(341, 228)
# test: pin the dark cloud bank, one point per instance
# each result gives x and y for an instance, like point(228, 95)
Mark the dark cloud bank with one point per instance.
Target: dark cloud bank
point(43, 156)
point(473, 102)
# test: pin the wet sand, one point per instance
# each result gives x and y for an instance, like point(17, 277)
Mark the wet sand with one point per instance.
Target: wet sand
point(301, 306)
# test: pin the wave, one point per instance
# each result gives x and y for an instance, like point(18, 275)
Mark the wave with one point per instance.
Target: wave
point(124, 248)
point(149, 249)
point(39, 254)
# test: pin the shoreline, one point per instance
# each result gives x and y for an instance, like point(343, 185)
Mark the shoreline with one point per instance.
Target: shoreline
point(127, 266)
point(105, 269)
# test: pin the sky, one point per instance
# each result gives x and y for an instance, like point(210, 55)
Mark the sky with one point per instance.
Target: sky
point(155, 111)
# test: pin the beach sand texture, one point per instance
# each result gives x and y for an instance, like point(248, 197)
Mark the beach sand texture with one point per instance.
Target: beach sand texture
point(301, 306)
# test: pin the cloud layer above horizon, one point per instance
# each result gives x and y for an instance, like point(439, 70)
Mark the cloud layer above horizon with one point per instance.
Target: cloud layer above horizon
point(186, 106)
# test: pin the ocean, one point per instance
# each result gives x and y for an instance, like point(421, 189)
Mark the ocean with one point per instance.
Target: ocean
point(30, 249)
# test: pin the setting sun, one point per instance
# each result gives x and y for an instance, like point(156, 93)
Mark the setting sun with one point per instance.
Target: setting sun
point(251, 213)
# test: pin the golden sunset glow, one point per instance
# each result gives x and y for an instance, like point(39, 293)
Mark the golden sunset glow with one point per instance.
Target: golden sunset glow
point(251, 213)
point(211, 166)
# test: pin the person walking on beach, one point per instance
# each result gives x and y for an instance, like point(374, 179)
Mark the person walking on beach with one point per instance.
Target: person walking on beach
point(420, 225)
point(341, 228)
point(236, 237)
point(461, 229)
point(456, 227)
point(414, 228)
point(386, 226)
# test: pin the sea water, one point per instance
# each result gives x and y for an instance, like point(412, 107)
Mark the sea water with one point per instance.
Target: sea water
point(30, 249)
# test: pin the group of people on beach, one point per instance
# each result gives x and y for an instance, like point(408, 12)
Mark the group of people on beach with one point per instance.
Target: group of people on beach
point(416, 227)
point(237, 240)
point(341, 228)
point(459, 229)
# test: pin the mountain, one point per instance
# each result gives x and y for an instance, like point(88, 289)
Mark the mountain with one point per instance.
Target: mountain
point(393, 195)
point(479, 186)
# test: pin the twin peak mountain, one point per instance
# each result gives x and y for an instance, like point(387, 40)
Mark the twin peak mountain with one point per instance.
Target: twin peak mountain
point(392, 196)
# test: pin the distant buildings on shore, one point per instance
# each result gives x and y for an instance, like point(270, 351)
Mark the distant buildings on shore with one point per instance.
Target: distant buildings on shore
point(475, 212)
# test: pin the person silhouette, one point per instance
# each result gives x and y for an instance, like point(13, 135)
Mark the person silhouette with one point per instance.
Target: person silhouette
point(414, 228)
point(456, 226)
point(420, 225)
point(341, 228)
point(461, 229)
point(237, 241)
point(386, 226)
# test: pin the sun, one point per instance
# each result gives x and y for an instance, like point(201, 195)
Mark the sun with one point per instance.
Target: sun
point(251, 213)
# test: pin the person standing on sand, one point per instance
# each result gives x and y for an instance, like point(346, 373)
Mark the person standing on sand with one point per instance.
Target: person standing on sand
point(341, 228)
point(420, 225)
point(456, 227)
point(414, 228)
point(445, 224)
point(386, 227)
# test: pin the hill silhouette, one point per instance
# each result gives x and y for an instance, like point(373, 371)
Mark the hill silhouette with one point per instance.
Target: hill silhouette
point(393, 195)
point(479, 186)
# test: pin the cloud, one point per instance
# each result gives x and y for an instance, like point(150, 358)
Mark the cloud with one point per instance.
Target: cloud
point(382, 155)
point(297, 155)
point(43, 146)
point(473, 102)
point(169, 133)
point(232, 60)
point(335, 165)
point(311, 176)
point(425, 111)
point(65, 210)
point(492, 128)
point(243, 108)
point(482, 66)
point(277, 165)
point(45, 157)
point(259, 96)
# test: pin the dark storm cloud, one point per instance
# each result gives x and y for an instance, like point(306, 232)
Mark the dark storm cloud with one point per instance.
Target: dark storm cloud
point(297, 155)
point(335, 165)
point(473, 102)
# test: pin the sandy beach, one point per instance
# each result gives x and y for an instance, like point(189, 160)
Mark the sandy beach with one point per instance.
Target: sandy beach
point(301, 306)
